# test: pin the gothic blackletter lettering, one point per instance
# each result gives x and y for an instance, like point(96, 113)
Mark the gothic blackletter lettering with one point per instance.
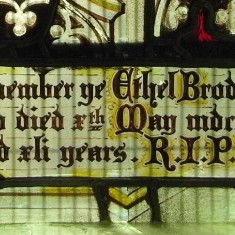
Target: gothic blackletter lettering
point(159, 145)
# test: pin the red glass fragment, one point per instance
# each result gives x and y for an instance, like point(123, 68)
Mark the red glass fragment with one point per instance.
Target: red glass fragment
point(201, 33)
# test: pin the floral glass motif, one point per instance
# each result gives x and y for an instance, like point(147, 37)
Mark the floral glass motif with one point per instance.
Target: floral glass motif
point(86, 21)
point(21, 18)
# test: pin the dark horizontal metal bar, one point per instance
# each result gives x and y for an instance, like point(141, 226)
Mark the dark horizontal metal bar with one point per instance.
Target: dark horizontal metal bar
point(116, 182)
point(110, 62)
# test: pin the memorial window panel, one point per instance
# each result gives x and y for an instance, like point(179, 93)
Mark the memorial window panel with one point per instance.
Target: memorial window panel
point(109, 103)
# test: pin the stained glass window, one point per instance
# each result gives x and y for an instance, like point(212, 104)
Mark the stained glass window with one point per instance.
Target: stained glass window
point(114, 107)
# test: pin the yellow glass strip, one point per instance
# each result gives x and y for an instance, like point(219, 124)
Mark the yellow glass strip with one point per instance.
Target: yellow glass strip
point(127, 200)
point(107, 4)
point(83, 191)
